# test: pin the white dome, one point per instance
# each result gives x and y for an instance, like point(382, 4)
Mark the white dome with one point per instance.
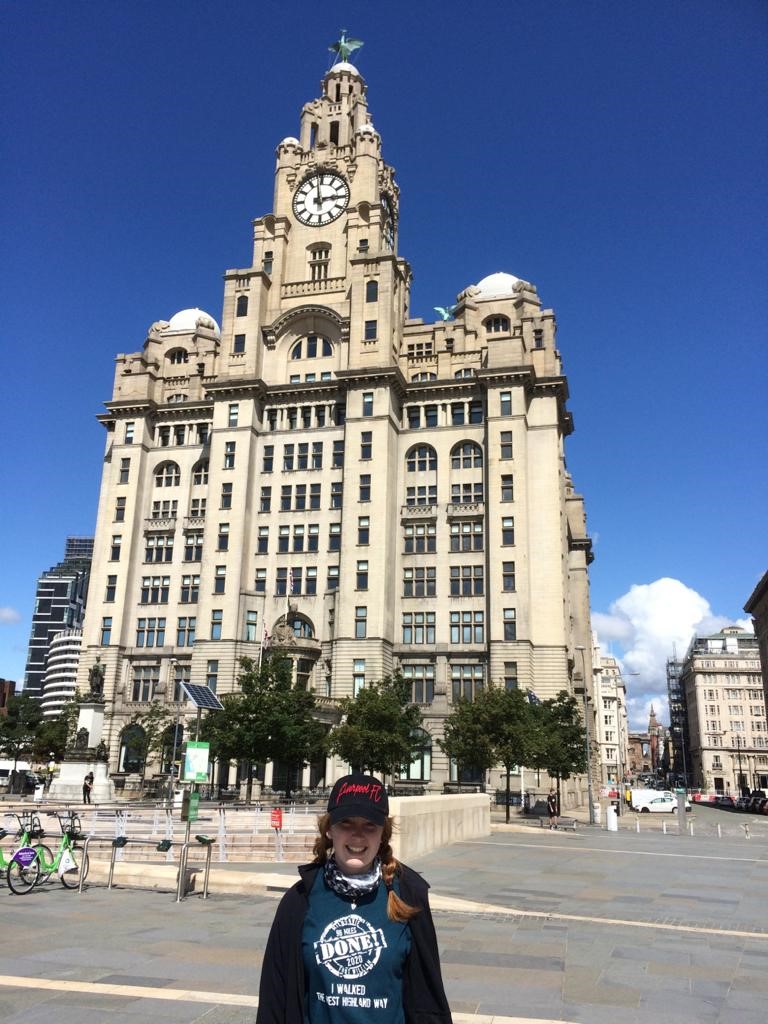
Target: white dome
point(186, 320)
point(344, 65)
point(290, 141)
point(496, 286)
point(365, 129)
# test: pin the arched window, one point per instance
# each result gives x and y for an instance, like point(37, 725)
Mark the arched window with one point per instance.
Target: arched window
point(302, 628)
point(177, 356)
point(200, 472)
point(467, 456)
point(242, 305)
point(167, 474)
point(497, 325)
point(466, 372)
point(371, 291)
point(170, 753)
point(420, 768)
point(421, 459)
point(312, 347)
point(424, 375)
point(132, 745)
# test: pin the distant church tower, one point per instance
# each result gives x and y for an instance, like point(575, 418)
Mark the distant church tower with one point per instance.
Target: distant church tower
point(371, 491)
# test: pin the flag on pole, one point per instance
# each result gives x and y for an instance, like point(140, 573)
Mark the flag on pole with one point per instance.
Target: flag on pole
point(532, 698)
point(290, 580)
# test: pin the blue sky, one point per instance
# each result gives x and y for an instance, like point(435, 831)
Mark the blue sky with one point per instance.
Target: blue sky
point(614, 154)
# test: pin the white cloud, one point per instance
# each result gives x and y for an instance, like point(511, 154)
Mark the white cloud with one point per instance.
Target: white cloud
point(9, 615)
point(649, 623)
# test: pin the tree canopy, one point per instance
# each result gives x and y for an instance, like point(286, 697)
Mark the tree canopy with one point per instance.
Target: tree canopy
point(380, 731)
point(19, 728)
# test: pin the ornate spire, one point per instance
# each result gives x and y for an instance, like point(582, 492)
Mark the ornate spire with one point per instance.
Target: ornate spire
point(344, 47)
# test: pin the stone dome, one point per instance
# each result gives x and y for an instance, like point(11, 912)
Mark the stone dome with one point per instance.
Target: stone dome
point(186, 320)
point(496, 286)
point(289, 141)
point(365, 129)
point(344, 65)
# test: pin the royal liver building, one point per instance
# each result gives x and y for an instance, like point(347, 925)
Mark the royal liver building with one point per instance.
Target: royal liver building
point(369, 491)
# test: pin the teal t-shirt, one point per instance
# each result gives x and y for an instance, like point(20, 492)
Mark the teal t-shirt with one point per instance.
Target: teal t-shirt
point(353, 959)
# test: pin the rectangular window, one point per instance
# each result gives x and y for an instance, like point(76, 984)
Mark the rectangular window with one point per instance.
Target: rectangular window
point(466, 681)
point(226, 496)
point(311, 585)
point(422, 679)
point(158, 548)
point(223, 537)
point(220, 579)
point(506, 444)
point(366, 445)
point(125, 469)
point(420, 581)
point(505, 403)
point(164, 436)
point(111, 590)
point(106, 626)
point(251, 635)
point(302, 457)
point(423, 494)
point(203, 433)
point(362, 576)
point(288, 451)
point(510, 624)
point(337, 488)
point(358, 676)
point(301, 497)
point(363, 530)
point(508, 576)
point(197, 508)
point(217, 620)
point(298, 538)
point(262, 542)
point(467, 580)
point(314, 497)
point(185, 631)
point(265, 501)
point(370, 330)
point(193, 545)
point(281, 581)
point(179, 435)
point(365, 487)
point(286, 497)
point(234, 411)
point(229, 454)
point(130, 428)
point(146, 679)
point(181, 674)
point(150, 632)
point(340, 414)
point(510, 675)
point(114, 549)
point(508, 531)
point(418, 627)
point(154, 589)
point(239, 344)
point(420, 538)
point(338, 454)
point(334, 537)
point(283, 538)
point(413, 417)
point(266, 264)
point(260, 582)
point(457, 413)
point(430, 415)
point(475, 411)
point(467, 536)
point(332, 579)
point(120, 510)
point(268, 458)
point(467, 628)
point(467, 493)
point(190, 589)
point(317, 455)
point(361, 622)
point(313, 537)
point(368, 403)
point(507, 487)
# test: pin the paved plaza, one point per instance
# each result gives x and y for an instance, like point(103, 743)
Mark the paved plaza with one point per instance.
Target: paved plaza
point(588, 927)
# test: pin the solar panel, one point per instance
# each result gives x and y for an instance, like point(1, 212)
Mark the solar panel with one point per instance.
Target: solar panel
point(202, 697)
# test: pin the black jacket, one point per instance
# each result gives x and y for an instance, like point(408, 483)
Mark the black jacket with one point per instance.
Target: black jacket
point(281, 992)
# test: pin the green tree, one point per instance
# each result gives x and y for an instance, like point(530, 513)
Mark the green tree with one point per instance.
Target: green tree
point(380, 729)
point(154, 723)
point(561, 739)
point(19, 727)
point(54, 735)
point(269, 719)
point(465, 737)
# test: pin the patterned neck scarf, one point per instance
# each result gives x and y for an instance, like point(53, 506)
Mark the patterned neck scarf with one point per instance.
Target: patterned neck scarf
point(351, 887)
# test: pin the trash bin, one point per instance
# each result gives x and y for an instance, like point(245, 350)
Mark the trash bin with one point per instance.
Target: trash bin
point(611, 819)
point(596, 811)
point(39, 792)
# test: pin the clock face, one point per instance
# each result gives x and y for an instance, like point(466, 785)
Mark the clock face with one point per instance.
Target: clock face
point(321, 198)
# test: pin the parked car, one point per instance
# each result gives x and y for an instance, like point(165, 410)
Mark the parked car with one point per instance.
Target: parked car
point(742, 803)
point(662, 803)
point(725, 800)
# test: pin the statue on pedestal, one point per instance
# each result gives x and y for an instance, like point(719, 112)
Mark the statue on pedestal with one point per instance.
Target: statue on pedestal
point(81, 739)
point(96, 681)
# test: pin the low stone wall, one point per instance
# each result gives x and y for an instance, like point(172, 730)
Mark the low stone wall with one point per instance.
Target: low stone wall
point(425, 823)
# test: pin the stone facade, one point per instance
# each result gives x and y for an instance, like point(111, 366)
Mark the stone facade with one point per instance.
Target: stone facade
point(611, 716)
point(403, 483)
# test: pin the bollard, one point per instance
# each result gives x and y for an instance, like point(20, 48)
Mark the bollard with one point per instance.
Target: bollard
point(637, 824)
point(746, 831)
point(222, 835)
point(690, 828)
point(664, 827)
point(719, 831)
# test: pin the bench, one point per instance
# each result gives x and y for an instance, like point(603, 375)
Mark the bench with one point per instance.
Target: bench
point(562, 823)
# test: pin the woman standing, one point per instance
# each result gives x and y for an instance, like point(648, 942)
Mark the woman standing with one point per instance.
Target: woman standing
point(87, 787)
point(353, 940)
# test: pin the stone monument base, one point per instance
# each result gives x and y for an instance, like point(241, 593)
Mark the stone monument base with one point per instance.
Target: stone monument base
point(68, 784)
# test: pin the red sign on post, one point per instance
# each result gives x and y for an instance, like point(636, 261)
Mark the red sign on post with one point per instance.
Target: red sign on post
point(276, 818)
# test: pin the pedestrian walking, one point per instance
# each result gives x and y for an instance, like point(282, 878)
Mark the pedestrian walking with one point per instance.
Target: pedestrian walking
point(87, 787)
point(353, 939)
point(552, 808)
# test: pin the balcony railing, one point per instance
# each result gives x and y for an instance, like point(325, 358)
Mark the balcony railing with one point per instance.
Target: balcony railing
point(160, 523)
point(415, 511)
point(329, 284)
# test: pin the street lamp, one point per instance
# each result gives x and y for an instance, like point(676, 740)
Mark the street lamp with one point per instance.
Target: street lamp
point(739, 786)
point(587, 744)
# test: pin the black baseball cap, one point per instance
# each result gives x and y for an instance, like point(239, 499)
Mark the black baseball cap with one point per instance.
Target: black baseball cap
point(358, 796)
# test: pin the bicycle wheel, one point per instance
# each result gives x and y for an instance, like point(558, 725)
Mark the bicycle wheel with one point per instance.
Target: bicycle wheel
point(22, 878)
point(44, 858)
point(71, 879)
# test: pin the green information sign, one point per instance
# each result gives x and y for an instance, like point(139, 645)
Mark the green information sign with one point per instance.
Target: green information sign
point(196, 762)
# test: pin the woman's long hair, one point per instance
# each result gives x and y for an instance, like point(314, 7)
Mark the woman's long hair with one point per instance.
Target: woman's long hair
point(397, 908)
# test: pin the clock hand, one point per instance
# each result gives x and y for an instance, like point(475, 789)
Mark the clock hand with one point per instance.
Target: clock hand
point(319, 200)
